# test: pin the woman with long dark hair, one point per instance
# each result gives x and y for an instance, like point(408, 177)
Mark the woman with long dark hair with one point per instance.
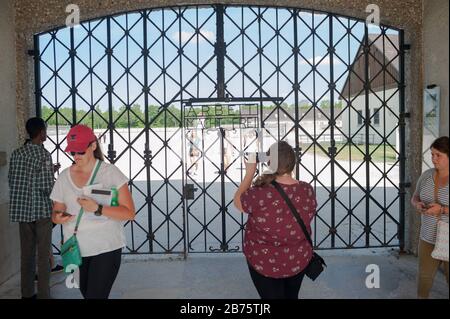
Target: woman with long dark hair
point(276, 249)
point(100, 232)
point(431, 201)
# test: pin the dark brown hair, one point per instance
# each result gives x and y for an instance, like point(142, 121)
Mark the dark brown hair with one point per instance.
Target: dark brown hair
point(441, 144)
point(98, 154)
point(286, 163)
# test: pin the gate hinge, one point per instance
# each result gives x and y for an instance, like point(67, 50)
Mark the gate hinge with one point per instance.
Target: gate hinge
point(33, 53)
point(405, 185)
point(406, 47)
point(406, 115)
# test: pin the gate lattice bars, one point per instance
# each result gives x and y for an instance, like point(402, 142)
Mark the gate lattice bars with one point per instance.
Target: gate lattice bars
point(343, 107)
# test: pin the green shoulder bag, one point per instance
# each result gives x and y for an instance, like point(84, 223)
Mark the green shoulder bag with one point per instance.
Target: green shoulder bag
point(70, 250)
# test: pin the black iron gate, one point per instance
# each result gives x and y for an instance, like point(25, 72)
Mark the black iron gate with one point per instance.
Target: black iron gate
point(341, 89)
point(219, 134)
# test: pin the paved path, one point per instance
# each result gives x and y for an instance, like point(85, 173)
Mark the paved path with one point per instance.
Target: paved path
point(226, 277)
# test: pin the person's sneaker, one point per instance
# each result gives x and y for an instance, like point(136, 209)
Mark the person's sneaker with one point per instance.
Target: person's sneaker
point(55, 270)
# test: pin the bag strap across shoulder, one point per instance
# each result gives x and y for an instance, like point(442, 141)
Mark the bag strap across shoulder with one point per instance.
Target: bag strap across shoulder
point(294, 211)
point(436, 188)
point(436, 192)
point(99, 163)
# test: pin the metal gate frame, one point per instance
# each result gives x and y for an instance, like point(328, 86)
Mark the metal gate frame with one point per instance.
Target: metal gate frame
point(221, 91)
point(243, 104)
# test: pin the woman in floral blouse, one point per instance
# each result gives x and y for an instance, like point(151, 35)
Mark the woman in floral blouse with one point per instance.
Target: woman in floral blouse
point(275, 246)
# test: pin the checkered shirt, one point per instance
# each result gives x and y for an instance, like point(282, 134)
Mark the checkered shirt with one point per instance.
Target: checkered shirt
point(31, 180)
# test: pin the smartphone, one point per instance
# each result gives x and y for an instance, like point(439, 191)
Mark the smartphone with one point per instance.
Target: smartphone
point(255, 157)
point(252, 157)
point(64, 214)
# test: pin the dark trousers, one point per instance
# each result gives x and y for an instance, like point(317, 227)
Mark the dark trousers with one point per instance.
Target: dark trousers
point(276, 288)
point(97, 274)
point(36, 234)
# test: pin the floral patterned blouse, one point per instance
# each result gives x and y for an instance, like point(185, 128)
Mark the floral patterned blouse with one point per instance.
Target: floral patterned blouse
point(274, 243)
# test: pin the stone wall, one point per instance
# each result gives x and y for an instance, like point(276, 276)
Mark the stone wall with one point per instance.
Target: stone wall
point(9, 233)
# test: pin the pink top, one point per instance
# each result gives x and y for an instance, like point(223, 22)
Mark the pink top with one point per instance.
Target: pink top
point(274, 243)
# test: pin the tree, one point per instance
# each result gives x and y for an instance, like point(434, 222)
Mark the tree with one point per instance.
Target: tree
point(325, 105)
point(338, 105)
point(47, 112)
point(137, 117)
point(98, 122)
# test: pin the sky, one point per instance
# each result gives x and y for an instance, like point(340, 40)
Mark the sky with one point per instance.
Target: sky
point(199, 49)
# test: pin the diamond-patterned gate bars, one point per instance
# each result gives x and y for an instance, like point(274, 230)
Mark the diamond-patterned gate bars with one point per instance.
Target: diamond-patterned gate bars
point(218, 134)
point(339, 85)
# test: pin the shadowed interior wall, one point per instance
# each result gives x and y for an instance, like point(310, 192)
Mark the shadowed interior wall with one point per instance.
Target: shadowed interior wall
point(435, 52)
point(9, 233)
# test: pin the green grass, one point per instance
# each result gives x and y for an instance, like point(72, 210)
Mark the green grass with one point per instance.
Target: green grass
point(356, 155)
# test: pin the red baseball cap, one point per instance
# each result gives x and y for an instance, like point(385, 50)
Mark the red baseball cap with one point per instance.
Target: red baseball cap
point(79, 138)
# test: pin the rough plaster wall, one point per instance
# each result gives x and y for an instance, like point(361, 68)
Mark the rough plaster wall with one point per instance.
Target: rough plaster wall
point(42, 15)
point(435, 39)
point(9, 239)
point(435, 71)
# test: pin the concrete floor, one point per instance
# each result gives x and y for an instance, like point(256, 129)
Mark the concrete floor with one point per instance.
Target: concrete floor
point(223, 276)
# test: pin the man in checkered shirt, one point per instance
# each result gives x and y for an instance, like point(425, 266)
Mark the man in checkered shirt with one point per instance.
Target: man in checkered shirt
point(31, 181)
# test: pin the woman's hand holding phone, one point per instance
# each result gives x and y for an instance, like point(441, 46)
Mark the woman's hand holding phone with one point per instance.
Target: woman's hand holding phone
point(60, 217)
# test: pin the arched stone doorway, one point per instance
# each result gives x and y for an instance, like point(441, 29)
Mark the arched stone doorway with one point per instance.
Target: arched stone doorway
point(131, 77)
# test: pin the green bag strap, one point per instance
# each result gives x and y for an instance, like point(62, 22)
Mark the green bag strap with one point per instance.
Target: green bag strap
point(90, 183)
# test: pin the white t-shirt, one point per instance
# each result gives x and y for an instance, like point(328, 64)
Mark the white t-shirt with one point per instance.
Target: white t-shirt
point(96, 234)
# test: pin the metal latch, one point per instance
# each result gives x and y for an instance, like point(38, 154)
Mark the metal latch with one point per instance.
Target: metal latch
point(189, 191)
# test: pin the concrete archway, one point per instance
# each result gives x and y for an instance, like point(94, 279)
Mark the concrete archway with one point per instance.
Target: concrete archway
point(39, 16)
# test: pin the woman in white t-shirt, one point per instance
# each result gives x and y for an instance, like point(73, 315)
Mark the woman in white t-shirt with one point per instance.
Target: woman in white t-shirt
point(100, 232)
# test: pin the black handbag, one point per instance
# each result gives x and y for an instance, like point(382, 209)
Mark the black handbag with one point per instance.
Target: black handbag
point(316, 265)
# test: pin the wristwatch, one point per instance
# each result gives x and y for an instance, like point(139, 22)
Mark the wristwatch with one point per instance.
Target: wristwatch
point(98, 212)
